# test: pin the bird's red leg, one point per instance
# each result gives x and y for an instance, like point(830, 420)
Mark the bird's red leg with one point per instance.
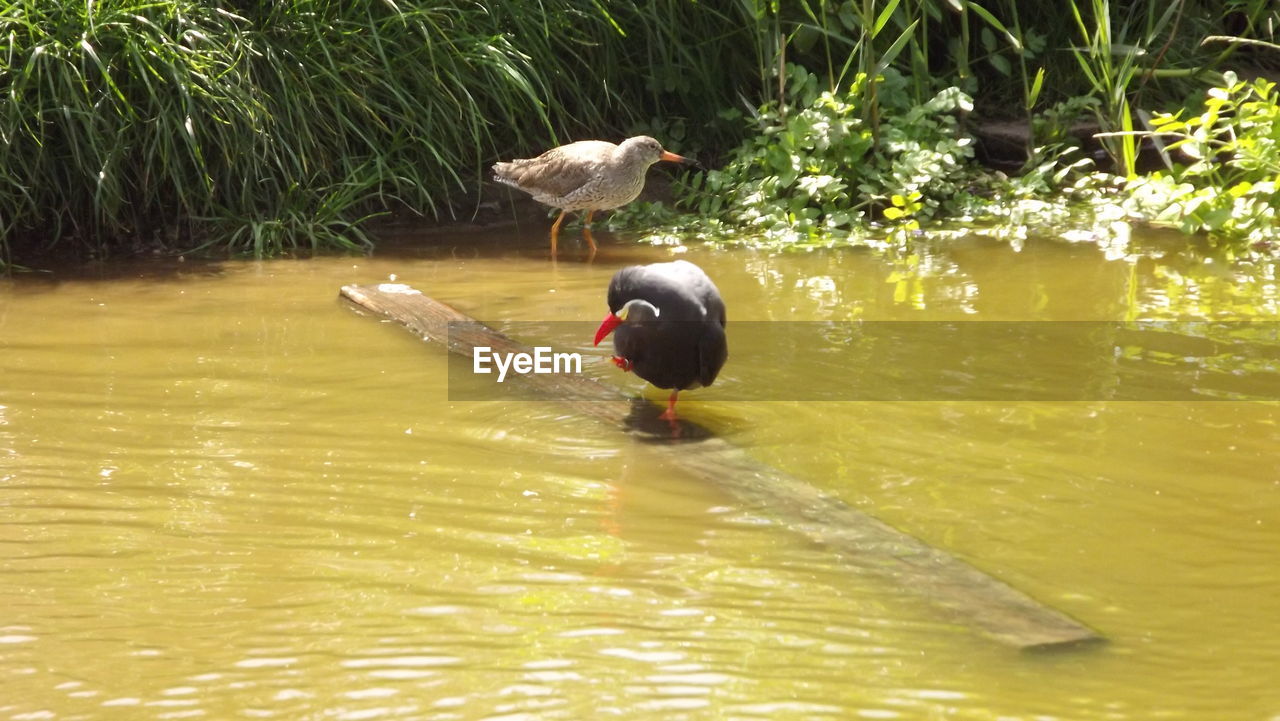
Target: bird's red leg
point(670, 413)
point(555, 231)
point(586, 231)
point(621, 362)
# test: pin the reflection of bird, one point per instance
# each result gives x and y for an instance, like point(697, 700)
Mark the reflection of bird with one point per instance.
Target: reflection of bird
point(668, 325)
point(588, 175)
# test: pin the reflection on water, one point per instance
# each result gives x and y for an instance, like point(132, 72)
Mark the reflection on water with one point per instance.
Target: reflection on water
point(228, 495)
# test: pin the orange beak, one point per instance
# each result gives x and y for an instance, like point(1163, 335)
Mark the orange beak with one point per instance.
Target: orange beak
point(672, 157)
point(607, 325)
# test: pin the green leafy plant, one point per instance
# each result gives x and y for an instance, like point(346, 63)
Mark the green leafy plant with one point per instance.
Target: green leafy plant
point(1228, 187)
point(815, 169)
point(1055, 155)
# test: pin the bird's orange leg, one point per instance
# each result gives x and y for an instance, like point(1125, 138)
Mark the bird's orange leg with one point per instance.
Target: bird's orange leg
point(670, 413)
point(586, 231)
point(555, 231)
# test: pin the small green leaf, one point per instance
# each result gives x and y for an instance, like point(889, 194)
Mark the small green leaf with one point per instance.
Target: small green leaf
point(892, 52)
point(1036, 86)
point(988, 40)
point(883, 17)
point(1239, 189)
point(993, 22)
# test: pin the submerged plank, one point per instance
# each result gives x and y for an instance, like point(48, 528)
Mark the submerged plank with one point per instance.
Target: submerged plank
point(981, 600)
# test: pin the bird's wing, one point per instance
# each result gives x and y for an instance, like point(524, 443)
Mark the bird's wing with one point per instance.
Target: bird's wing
point(559, 171)
point(713, 351)
point(699, 288)
point(715, 309)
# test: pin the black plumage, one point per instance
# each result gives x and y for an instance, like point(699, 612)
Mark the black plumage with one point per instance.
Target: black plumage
point(668, 324)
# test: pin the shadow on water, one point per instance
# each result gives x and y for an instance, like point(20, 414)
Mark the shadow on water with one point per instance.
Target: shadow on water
point(645, 423)
point(138, 269)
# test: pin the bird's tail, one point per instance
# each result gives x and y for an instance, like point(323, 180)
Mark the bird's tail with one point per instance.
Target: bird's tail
point(502, 173)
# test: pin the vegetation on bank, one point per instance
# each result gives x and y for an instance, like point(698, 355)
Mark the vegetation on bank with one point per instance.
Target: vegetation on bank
point(815, 176)
point(847, 159)
point(266, 126)
point(263, 127)
point(1227, 184)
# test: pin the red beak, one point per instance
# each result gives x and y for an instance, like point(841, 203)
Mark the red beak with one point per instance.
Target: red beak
point(607, 325)
point(673, 158)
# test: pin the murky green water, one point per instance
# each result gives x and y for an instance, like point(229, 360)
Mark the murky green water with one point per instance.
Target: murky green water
point(223, 494)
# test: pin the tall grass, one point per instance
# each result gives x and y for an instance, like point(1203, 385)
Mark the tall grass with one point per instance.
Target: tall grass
point(265, 126)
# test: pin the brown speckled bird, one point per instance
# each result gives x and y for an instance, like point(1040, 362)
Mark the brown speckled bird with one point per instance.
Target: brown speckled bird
point(587, 175)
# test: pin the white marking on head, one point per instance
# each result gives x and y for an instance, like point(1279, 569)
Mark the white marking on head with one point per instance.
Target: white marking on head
point(645, 309)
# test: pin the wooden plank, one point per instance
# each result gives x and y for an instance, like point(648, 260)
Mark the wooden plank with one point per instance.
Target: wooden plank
point(983, 601)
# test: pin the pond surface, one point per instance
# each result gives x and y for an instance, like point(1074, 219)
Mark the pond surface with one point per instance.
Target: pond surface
point(227, 495)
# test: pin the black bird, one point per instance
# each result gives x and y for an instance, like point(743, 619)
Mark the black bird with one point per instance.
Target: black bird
point(669, 322)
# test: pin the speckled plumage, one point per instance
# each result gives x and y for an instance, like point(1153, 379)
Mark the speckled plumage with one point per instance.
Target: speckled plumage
point(587, 175)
